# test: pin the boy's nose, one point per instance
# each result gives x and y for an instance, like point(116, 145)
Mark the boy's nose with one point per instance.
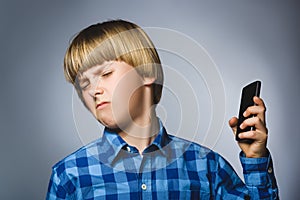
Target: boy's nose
point(98, 90)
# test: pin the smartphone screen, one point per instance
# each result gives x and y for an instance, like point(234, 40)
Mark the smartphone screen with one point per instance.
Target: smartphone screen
point(248, 92)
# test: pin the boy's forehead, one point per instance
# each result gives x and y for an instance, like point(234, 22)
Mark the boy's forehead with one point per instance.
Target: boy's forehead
point(95, 69)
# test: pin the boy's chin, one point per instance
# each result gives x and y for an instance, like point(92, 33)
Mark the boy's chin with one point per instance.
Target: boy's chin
point(109, 124)
point(121, 123)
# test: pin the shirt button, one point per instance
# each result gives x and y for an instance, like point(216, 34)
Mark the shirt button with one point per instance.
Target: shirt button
point(128, 148)
point(270, 170)
point(144, 186)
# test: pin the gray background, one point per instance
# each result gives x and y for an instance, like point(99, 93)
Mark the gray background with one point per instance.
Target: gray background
point(247, 40)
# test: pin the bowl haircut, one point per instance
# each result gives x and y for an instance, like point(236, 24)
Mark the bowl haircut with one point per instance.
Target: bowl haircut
point(115, 40)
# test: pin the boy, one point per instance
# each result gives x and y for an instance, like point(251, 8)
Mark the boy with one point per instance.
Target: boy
point(117, 73)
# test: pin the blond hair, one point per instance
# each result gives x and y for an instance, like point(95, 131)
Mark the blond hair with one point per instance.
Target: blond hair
point(113, 40)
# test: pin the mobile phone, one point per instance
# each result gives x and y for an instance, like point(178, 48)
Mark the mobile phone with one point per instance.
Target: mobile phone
point(248, 92)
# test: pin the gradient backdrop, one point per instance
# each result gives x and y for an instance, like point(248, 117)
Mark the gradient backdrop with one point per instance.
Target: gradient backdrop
point(247, 40)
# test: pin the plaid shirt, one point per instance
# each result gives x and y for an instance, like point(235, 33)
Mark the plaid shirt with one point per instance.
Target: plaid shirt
point(170, 168)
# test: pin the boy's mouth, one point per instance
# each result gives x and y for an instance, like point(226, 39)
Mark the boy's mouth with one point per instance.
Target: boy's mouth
point(102, 104)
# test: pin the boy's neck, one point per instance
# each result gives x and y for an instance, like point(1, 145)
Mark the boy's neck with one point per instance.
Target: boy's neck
point(141, 136)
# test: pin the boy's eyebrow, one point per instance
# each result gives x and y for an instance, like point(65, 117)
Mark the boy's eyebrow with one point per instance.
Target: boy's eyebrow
point(98, 69)
point(81, 78)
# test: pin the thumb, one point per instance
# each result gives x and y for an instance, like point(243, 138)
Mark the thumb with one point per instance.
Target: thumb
point(233, 124)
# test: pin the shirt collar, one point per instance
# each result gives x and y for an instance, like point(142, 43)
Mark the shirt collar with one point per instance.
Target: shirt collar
point(162, 139)
point(113, 143)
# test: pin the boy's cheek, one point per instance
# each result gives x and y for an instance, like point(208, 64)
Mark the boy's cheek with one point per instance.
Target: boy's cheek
point(89, 103)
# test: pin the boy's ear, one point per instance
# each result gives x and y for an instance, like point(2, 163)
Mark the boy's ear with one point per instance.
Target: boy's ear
point(148, 80)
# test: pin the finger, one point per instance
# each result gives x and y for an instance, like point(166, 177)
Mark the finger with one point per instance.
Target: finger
point(254, 135)
point(233, 124)
point(259, 101)
point(255, 110)
point(259, 109)
point(254, 121)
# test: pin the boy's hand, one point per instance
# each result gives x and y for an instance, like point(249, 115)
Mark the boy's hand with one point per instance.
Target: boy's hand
point(259, 135)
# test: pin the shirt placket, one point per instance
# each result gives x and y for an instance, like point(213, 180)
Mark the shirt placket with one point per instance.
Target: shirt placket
point(145, 181)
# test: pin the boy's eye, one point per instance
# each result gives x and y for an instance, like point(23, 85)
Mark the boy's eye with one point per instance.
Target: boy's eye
point(84, 85)
point(105, 74)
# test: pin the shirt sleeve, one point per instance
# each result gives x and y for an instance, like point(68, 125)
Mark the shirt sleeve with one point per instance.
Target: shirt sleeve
point(260, 182)
point(59, 188)
point(259, 177)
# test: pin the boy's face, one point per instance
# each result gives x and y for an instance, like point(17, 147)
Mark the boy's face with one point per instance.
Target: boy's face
point(114, 93)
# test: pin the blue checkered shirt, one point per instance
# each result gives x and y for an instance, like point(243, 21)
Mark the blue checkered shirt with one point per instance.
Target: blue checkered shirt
point(169, 168)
